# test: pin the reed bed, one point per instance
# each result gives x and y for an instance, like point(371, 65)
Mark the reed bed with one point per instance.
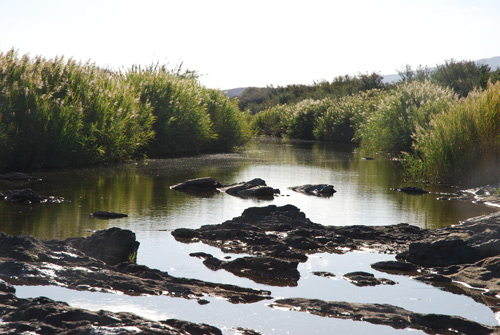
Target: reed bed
point(61, 113)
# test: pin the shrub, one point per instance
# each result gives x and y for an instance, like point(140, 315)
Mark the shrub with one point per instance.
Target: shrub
point(462, 145)
point(270, 122)
point(410, 105)
point(343, 117)
point(303, 117)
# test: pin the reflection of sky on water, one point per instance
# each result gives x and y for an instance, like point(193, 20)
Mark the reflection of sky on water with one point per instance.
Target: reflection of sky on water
point(142, 191)
point(173, 257)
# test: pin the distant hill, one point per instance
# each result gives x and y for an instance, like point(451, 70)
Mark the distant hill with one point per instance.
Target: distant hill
point(493, 62)
point(234, 92)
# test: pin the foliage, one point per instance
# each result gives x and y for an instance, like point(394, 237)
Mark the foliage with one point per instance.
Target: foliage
point(55, 114)
point(345, 115)
point(271, 121)
point(463, 77)
point(391, 126)
point(462, 144)
point(228, 122)
point(258, 99)
point(182, 125)
point(61, 113)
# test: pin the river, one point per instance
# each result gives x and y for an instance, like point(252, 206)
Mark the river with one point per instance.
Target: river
point(141, 190)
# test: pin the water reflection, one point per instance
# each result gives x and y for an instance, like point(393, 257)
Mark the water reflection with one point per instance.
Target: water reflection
point(141, 190)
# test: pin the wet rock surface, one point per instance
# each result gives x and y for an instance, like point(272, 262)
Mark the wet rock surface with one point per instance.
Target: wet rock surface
point(265, 270)
point(285, 233)
point(412, 190)
point(388, 315)
point(322, 190)
point(28, 196)
point(88, 264)
point(255, 188)
point(45, 316)
point(360, 278)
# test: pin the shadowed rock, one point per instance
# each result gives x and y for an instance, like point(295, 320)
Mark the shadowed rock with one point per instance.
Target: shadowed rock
point(324, 274)
point(264, 270)
point(28, 196)
point(87, 264)
point(198, 185)
point(388, 315)
point(45, 316)
point(361, 278)
point(108, 215)
point(255, 188)
point(322, 190)
point(412, 190)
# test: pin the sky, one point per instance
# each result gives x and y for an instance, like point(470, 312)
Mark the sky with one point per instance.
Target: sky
point(236, 43)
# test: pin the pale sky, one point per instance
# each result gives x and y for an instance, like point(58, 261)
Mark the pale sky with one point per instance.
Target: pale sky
point(234, 43)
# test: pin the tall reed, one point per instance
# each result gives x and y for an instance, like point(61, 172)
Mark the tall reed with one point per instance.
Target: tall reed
point(391, 126)
point(463, 145)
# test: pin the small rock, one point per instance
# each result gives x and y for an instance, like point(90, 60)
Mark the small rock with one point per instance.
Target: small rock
point(108, 215)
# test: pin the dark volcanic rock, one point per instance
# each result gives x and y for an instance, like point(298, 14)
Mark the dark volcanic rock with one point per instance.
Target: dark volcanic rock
point(361, 278)
point(108, 215)
point(264, 270)
point(473, 240)
point(285, 233)
point(28, 196)
point(388, 315)
point(255, 188)
point(45, 316)
point(205, 184)
point(324, 274)
point(323, 190)
point(78, 263)
point(111, 246)
point(394, 267)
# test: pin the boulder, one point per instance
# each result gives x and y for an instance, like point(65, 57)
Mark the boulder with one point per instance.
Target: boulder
point(112, 246)
point(323, 190)
point(264, 270)
point(255, 188)
point(198, 185)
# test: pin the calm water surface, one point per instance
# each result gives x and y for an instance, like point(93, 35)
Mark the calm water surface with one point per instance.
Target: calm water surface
point(141, 190)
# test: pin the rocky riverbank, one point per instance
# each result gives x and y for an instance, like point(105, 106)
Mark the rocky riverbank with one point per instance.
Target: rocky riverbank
point(273, 240)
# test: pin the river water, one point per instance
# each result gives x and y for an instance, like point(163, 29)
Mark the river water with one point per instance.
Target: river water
point(141, 190)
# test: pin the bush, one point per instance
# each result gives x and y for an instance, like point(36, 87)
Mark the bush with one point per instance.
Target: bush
point(344, 116)
point(410, 105)
point(228, 122)
point(270, 122)
point(303, 117)
point(56, 114)
point(463, 144)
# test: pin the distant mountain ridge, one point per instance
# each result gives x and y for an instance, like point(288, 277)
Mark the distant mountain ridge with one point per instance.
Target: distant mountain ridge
point(493, 62)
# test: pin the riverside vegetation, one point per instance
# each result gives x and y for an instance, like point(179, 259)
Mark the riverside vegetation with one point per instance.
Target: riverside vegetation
point(56, 113)
point(443, 124)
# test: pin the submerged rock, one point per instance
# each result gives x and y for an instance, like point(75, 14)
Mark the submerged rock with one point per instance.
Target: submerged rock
point(323, 190)
point(385, 314)
point(28, 196)
point(108, 215)
point(361, 278)
point(412, 190)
